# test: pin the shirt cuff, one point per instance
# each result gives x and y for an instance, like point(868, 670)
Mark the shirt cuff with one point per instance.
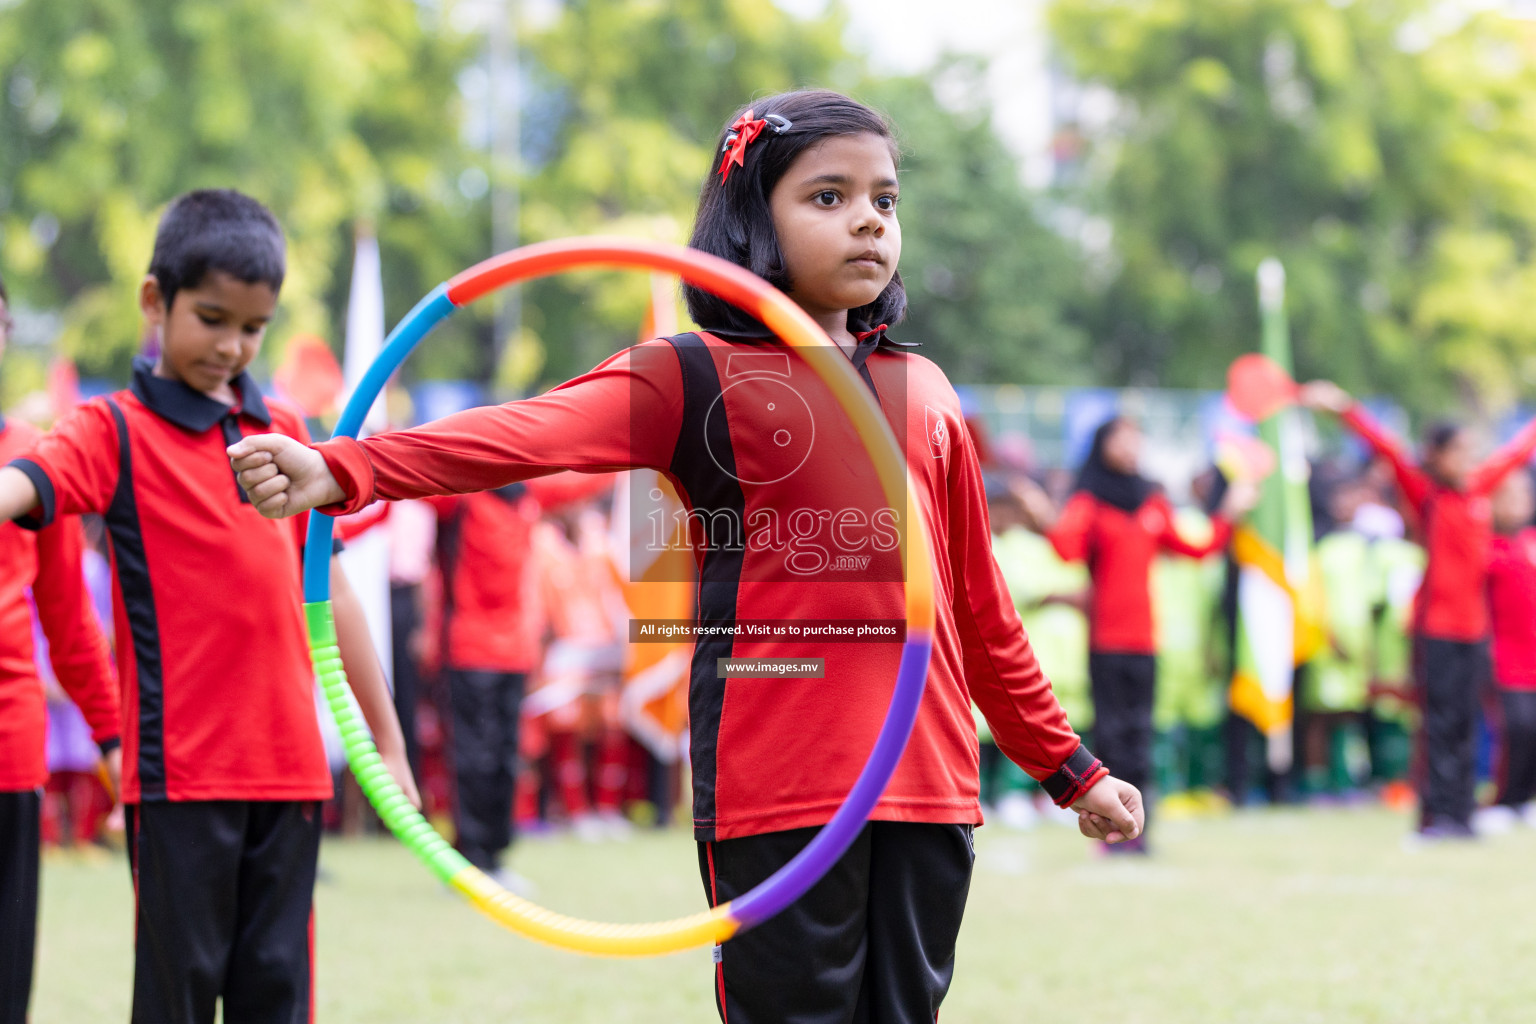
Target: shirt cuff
point(46, 501)
point(109, 744)
point(349, 464)
point(1076, 776)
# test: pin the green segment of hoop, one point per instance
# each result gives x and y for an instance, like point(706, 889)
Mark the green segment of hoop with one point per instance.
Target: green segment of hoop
point(372, 775)
point(418, 836)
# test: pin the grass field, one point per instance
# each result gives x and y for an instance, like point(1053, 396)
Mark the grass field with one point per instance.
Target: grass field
point(1286, 916)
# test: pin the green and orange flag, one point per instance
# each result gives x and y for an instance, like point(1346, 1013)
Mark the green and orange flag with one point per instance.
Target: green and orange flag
point(1279, 600)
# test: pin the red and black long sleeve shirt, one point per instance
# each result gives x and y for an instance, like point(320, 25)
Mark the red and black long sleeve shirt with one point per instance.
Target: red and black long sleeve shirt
point(1455, 527)
point(1512, 604)
point(788, 523)
point(1119, 547)
point(46, 564)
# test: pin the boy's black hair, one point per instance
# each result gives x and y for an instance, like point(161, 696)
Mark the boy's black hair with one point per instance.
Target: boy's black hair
point(217, 229)
point(734, 221)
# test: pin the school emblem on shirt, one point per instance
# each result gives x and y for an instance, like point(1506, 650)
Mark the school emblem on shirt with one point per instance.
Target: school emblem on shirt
point(937, 431)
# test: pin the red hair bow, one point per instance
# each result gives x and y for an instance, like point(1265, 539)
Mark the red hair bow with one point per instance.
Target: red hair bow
point(741, 135)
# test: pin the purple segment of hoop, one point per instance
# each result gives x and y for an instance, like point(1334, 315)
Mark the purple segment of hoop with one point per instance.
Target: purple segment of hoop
point(791, 881)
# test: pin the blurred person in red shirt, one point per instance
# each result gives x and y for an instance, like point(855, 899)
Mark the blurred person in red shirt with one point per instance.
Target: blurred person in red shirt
point(42, 568)
point(491, 640)
point(1512, 604)
point(1117, 521)
point(1447, 498)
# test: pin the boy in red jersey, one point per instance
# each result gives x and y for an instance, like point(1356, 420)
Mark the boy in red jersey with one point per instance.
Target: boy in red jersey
point(789, 522)
point(46, 565)
point(223, 766)
point(1447, 498)
point(1512, 606)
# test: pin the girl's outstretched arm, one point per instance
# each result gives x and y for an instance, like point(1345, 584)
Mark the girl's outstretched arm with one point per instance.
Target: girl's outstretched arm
point(1171, 540)
point(1325, 396)
point(283, 476)
point(1516, 451)
point(625, 413)
point(1242, 495)
point(1069, 533)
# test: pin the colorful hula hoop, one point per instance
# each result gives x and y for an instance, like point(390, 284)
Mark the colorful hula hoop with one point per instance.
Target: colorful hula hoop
point(790, 323)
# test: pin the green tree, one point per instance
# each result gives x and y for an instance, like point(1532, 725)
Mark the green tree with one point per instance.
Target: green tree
point(990, 288)
point(639, 93)
point(1385, 150)
point(644, 90)
point(331, 112)
point(342, 112)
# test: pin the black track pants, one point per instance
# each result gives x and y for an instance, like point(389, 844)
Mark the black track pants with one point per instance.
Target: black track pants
point(1453, 675)
point(225, 892)
point(487, 708)
point(20, 837)
point(873, 942)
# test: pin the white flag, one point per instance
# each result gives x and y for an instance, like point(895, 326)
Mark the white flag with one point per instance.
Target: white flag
point(365, 323)
point(366, 557)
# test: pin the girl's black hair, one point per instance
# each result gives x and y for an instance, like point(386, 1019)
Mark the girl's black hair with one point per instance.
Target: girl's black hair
point(735, 223)
point(1440, 434)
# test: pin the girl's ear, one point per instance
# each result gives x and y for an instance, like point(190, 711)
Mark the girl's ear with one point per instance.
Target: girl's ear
point(152, 301)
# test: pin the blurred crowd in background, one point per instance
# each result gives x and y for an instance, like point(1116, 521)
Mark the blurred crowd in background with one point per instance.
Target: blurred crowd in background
point(540, 582)
point(1088, 188)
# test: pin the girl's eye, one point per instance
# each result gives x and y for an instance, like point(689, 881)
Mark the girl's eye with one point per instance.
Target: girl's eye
point(827, 198)
point(208, 321)
point(253, 329)
point(886, 203)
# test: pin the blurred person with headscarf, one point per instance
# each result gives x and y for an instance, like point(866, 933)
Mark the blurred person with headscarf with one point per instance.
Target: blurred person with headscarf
point(1117, 522)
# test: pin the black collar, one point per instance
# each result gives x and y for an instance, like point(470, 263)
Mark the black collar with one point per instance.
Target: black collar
point(2, 424)
point(873, 339)
point(189, 408)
